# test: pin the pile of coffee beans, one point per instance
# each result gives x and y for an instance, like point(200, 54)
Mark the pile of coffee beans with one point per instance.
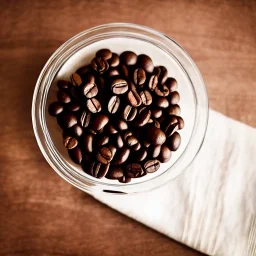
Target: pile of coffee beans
point(120, 116)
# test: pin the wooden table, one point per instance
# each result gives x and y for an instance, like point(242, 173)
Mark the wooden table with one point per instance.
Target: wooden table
point(41, 214)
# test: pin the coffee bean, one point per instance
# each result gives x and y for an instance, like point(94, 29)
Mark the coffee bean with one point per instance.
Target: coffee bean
point(110, 129)
point(63, 85)
point(143, 116)
point(156, 113)
point(165, 154)
point(136, 147)
point(146, 144)
point(161, 73)
point(102, 140)
point(170, 125)
point(114, 61)
point(124, 71)
point(125, 179)
point(68, 120)
point(113, 104)
point(174, 141)
point(121, 156)
point(146, 97)
point(174, 98)
point(104, 155)
point(134, 170)
point(63, 97)
point(161, 102)
point(128, 58)
point(76, 130)
point(134, 98)
point(171, 83)
point(119, 86)
point(146, 63)
point(70, 142)
point(113, 150)
point(99, 122)
point(100, 64)
point(120, 124)
point(117, 140)
point(76, 79)
point(173, 110)
point(155, 151)
point(104, 53)
point(76, 155)
point(154, 135)
point(55, 109)
point(139, 76)
point(85, 118)
point(162, 91)
point(152, 83)
point(127, 134)
point(152, 166)
point(141, 155)
point(98, 170)
point(90, 89)
point(74, 106)
point(93, 105)
point(181, 122)
point(131, 141)
point(113, 72)
point(83, 71)
point(88, 142)
point(156, 123)
point(115, 173)
point(129, 113)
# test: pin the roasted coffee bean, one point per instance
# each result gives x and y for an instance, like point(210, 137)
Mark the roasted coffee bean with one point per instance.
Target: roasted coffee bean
point(113, 72)
point(63, 97)
point(114, 61)
point(102, 140)
point(117, 140)
point(88, 142)
point(115, 173)
point(134, 170)
point(146, 144)
point(83, 71)
point(171, 83)
point(76, 155)
point(173, 110)
point(127, 134)
point(174, 141)
point(63, 85)
point(128, 58)
point(68, 120)
point(76, 79)
point(165, 154)
point(125, 179)
point(99, 122)
point(110, 129)
point(181, 122)
point(85, 118)
point(141, 155)
point(113, 104)
point(152, 83)
point(98, 170)
point(154, 151)
point(119, 86)
point(136, 147)
point(104, 155)
point(131, 141)
point(146, 97)
point(70, 142)
point(152, 166)
point(113, 150)
point(120, 124)
point(174, 98)
point(143, 116)
point(55, 108)
point(162, 91)
point(156, 123)
point(100, 64)
point(76, 130)
point(124, 71)
point(134, 98)
point(74, 106)
point(93, 105)
point(104, 53)
point(121, 156)
point(90, 89)
point(156, 113)
point(170, 125)
point(139, 76)
point(161, 102)
point(129, 113)
point(161, 73)
point(154, 135)
point(146, 63)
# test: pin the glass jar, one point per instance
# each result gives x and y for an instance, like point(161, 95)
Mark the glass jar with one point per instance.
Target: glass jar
point(119, 37)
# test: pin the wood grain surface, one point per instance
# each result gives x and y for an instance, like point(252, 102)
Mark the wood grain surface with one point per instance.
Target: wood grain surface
point(41, 214)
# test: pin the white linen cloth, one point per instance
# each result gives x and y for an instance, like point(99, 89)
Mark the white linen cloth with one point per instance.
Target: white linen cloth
point(211, 206)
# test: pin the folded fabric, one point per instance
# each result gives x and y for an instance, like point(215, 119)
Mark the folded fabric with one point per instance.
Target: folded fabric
point(211, 206)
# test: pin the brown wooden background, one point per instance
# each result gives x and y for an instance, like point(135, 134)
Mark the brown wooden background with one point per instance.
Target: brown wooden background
point(40, 214)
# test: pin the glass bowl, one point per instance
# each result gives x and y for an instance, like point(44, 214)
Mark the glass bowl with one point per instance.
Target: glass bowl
point(119, 37)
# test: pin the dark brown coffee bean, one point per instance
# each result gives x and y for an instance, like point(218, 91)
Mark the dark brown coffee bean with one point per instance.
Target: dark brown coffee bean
point(113, 104)
point(174, 141)
point(146, 144)
point(70, 142)
point(143, 116)
point(85, 118)
point(156, 151)
point(99, 122)
point(136, 147)
point(156, 123)
point(146, 63)
point(113, 72)
point(170, 125)
point(117, 140)
point(161, 73)
point(141, 155)
point(76, 130)
point(115, 173)
point(119, 86)
point(93, 105)
point(146, 97)
point(100, 64)
point(121, 156)
point(110, 129)
point(55, 109)
point(74, 106)
point(88, 143)
point(134, 170)
point(162, 91)
point(63, 97)
point(152, 166)
point(120, 124)
point(114, 61)
point(129, 113)
point(102, 140)
point(131, 141)
point(171, 83)
point(68, 120)
point(63, 85)
point(98, 170)
point(76, 155)
point(125, 179)
point(124, 71)
point(128, 58)
point(104, 53)
point(173, 110)
point(156, 113)
point(127, 134)
point(154, 135)
point(181, 122)
point(83, 71)
point(104, 155)
point(152, 83)
point(174, 98)
point(139, 76)
point(90, 89)
point(165, 154)
point(134, 98)
point(76, 79)
point(161, 102)
point(113, 150)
